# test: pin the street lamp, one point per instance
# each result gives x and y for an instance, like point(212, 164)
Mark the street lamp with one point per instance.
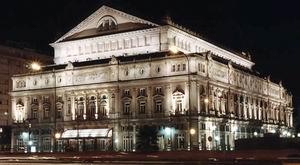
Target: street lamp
point(206, 101)
point(6, 116)
point(35, 66)
point(57, 135)
point(192, 131)
point(255, 133)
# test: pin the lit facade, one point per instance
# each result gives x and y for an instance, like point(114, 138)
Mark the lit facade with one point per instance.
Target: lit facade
point(114, 72)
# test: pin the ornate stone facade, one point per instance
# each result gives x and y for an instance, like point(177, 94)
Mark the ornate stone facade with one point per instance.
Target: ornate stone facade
point(96, 97)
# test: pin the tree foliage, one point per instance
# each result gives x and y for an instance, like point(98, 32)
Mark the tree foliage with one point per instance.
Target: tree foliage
point(147, 139)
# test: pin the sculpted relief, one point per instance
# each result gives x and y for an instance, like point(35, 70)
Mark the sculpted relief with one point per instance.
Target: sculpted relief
point(219, 73)
point(90, 77)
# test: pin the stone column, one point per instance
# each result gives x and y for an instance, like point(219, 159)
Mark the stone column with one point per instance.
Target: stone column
point(12, 141)
point(73, 107)
point(194, 93)
point(168, 107)
point(39, 149)
point(149, 108)
point(97, 98)
point(133, 108)
point(27, 108)
point(84, 106)
point(134, 137)
point(187, 96)
point(198, 99)
point(239, 106)
point(13, 109)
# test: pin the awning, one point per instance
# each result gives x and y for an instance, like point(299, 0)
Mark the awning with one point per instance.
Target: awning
point(84, 133)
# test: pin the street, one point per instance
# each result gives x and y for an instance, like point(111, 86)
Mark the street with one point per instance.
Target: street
point(263, 157)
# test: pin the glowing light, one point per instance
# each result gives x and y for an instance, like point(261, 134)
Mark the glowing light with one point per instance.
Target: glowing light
point(284, 133)
point(5, 113)
point(25, 135)
point(272, 131)
point(298, 134)
point(116, 140)
point(206, 100)
point(30, 143)
point(192, 131)
point(255, 133)
point(57, 135)
point(35, 66)
point(288, 134)
point(168, 130)
point(234, 128)
point(217, 138)
point(173, 49)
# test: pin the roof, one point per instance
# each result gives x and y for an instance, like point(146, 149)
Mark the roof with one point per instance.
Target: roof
point(94, 32)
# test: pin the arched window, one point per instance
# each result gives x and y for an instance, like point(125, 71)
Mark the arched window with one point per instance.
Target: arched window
point(107, 23)
point(80, 107)
point(20, 111)
point(178, 98)
point(103, 106)
point(92, 107)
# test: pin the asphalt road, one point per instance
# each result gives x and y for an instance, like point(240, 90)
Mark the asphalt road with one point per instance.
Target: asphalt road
point(250, 157)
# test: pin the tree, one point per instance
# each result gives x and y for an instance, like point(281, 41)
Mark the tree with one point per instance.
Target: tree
point(147, 139)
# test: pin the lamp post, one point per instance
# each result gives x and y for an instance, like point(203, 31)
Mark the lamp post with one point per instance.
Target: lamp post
point(6, 116)
point(57, 136)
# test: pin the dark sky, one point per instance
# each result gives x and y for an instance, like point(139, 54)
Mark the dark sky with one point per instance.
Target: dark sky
point(268, 29)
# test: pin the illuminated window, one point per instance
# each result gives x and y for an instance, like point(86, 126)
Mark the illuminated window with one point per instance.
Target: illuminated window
point(179, 105)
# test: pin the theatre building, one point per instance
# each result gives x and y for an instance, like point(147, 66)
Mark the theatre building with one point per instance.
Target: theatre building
point(115, 72)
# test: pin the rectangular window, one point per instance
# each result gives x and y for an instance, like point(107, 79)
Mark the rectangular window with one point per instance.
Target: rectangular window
point(201, 67)
point(126, 109)
point(183, 67)
point(142, 107)
point(69, 111)
point(46, 144)
point(178, 67)
point(34, 100)
point(126, 92)
point(158, 106)
point(34, 114)
point(59, 113)
point(142, 92)
point(158, 90)
point(46, 112)
point(179, 105)
point(173, 68)
point(127, 44)
point(46, 99)
point(203, 126)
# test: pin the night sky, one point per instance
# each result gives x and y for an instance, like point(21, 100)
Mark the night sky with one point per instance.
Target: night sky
point(268, 29)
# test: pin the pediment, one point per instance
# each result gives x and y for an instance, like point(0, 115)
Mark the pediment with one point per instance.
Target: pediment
point(91, 23)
